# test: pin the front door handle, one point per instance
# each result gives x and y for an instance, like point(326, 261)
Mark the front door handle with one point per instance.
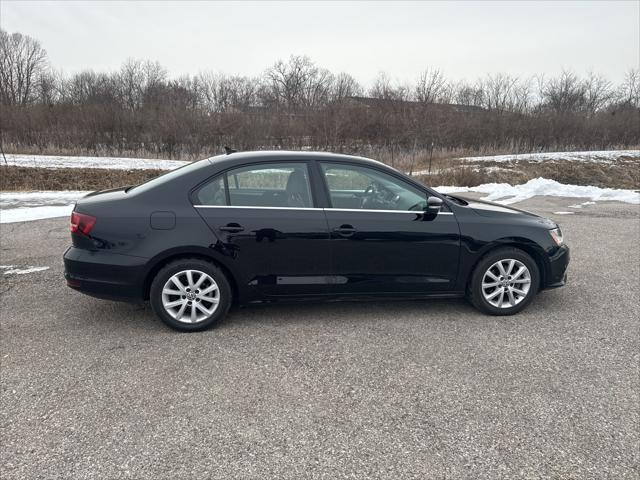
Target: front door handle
point(345, 230)
point(232, 228)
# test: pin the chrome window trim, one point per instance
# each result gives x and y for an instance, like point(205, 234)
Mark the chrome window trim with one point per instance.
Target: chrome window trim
point(380, 211)
point(261, 208)
point(318, 208)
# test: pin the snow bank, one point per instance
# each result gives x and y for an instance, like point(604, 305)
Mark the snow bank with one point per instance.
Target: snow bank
point(109, 163)
point(506, 194)
point(601, 156)
point(27, 206)
point(33, 199)
point(27, 214)
point(119, 163)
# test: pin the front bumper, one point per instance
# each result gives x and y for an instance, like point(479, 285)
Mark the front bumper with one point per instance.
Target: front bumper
point(558, 263)
point(105, 275)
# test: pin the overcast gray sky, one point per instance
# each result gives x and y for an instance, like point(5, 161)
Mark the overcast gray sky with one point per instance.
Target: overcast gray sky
point(464, 40)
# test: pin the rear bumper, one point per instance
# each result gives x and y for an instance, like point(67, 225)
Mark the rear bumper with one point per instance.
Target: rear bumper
point(105, 275)
point(558, 263)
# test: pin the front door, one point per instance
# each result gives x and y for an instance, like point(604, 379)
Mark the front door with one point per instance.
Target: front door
point(264, 216)
point(381, 240)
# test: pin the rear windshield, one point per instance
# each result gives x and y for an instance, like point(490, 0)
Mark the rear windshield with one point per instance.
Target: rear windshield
point(167, 177)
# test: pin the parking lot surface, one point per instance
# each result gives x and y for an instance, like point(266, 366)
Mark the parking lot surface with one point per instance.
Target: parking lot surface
point(409, 389)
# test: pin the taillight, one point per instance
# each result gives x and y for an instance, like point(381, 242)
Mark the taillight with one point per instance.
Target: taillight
point(82, 223)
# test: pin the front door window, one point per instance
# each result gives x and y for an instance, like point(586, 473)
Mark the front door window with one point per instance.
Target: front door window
point(357, 187)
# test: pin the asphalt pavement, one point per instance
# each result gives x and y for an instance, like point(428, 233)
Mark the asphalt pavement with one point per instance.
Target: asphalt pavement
point(395, 389)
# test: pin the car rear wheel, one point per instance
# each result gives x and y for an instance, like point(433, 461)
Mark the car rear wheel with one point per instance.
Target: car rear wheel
point(190, 294)
point(504, 282)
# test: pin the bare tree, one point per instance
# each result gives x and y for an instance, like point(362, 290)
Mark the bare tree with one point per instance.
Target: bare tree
point(344, 85)
point(23, 61)
point(296, 84)
point(469, 95)
point(136, 77)
point(564, 94)
point(598, 92)
point(383, 88)
point(521, 98)
point(629, 91)
point(430, 87)
point(499, 92)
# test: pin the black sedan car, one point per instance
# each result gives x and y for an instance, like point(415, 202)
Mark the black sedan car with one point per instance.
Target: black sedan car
point(270, 226)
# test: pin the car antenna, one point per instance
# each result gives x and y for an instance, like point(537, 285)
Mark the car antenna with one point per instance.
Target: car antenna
point(229, 150)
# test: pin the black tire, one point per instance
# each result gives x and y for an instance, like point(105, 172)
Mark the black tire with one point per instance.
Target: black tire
point(474, 291)
point(168, 271)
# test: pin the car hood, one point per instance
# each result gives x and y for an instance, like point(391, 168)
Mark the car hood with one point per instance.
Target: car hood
point(491, 209)
point(495, 210)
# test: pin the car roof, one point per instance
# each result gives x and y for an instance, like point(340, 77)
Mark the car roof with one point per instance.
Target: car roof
point(287, 155)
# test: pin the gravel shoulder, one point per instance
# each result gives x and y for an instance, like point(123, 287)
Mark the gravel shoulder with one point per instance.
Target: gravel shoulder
point(411, 389)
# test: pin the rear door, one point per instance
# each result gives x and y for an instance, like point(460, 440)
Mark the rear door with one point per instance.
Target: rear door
point(265, 217)
point(381, 239)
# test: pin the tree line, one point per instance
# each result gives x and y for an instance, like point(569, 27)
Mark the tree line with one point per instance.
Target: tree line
point(140, 109)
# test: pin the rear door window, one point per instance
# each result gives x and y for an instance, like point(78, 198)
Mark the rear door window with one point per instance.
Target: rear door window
point(284, 185)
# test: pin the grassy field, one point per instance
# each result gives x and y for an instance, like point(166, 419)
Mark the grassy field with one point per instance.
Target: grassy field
point(24, 178)
point(623, 173)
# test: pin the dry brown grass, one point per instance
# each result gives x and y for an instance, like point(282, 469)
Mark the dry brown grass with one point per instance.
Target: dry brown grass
point(464, 176)
point(25, 178)
point(84, 152)
point(624, 173)
point(618, 175)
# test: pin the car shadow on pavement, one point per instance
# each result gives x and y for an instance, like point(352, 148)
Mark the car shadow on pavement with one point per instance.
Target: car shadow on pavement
point(140, 316)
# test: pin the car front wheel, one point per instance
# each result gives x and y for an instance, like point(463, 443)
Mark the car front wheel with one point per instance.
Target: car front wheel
point(504, 282)
point(190, 294)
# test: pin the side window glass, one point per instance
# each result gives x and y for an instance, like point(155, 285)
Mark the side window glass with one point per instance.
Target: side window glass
point(212, 193)
point(270, 185)
point(356, 187)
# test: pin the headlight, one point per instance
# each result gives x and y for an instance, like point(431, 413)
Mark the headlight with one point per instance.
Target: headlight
point(556, 234)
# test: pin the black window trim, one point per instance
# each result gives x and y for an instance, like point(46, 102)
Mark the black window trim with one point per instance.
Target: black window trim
point(225, 171)
point(319, 189)
point(392, 173)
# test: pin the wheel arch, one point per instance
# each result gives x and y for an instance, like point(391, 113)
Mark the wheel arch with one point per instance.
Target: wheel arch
point(531, 248)
point(158, 262)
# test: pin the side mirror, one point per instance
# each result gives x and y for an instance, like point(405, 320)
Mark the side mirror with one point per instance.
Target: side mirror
point(433, 205)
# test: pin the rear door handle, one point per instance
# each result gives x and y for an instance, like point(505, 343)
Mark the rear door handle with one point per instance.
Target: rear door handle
point(232, 228)
point(345, 230)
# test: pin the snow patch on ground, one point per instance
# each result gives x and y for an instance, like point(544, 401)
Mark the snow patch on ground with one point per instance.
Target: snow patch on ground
point(507, 194)
point(34, 199)
point(109, 163)
point(583, 204)
point(120, 163)
point(564, 213)
point(601, 156)
point(27, 214)
point(13, 270)
point(27, 206)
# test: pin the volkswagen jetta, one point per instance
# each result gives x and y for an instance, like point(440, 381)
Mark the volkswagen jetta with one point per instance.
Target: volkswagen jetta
point(272, 226)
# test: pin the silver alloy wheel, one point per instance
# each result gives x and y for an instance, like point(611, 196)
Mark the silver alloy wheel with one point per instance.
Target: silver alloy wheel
point(190, 296)
point(506, 283)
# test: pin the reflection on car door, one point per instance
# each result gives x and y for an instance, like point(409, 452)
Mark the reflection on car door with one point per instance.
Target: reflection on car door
point(265, 218)
point(390, 246)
